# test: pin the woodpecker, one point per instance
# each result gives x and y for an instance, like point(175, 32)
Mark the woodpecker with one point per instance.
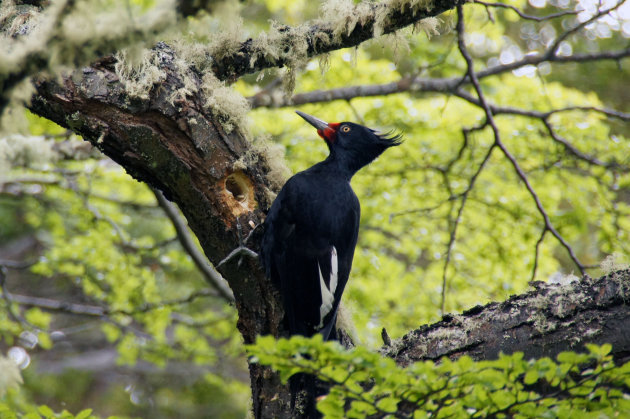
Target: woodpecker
point(312, 227)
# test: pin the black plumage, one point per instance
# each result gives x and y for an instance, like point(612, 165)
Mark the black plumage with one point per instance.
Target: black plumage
point(312, 227)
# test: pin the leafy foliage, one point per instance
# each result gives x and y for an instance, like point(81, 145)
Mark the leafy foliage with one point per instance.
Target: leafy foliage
point(363, 383)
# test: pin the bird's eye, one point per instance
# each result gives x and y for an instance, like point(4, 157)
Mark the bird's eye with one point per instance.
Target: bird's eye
point(345, 128)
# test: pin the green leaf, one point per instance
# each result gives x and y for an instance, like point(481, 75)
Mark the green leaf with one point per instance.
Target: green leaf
point(46, 411)
point(84, 414)
point(531, 377)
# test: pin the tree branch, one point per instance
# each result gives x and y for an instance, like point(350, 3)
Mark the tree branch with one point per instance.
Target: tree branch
point(497, 141)
point(460, 211)
point(542, 322)
point(98, 311)
point(320, 37)
point(417, 84)
point(524, 15)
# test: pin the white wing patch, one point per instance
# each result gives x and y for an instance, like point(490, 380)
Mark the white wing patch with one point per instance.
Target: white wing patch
point(334, 270)
point(328, 295)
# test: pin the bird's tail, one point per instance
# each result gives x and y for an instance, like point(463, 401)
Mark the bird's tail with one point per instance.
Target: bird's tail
point(329, 331)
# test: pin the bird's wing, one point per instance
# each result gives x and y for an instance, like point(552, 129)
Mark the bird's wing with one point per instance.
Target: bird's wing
point(302, 254)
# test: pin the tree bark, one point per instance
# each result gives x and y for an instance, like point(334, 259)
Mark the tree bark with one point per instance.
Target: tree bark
point(541, 323)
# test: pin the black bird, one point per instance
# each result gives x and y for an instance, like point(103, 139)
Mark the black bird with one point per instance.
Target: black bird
point(312, 227)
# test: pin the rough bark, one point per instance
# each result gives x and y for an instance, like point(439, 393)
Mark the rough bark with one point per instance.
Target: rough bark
point(544, 322)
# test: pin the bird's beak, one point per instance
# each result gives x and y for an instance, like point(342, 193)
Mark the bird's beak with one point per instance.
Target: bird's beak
point(316, 122)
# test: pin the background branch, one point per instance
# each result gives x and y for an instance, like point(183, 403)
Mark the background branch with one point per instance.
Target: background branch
point(212, 276)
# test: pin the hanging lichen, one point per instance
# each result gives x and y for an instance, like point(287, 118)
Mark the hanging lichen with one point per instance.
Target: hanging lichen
point(139, 71)
point(225, 103)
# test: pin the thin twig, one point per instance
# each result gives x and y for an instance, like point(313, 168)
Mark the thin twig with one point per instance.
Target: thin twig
point(460, 211)
point(15, 316)
point(497, 140)
point(239, 251)
point(570, 148)
point(524, 15)
point(98, 311)
point(537, 253)
point(552, 50)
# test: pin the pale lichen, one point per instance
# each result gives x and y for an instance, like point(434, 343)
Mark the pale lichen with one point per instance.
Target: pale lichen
point(383, 15)
point(271, 156)
point(69, 34)
point(225, 103)
point(9, 376)
point(287, 44)
point(562, 279)
point(195, 54)
point(7, 10)
point(612, 266)
point(228, 40)
point(613, 263)
point(269, 44)
point(25, 151)
point(345, 323)
point(188, 87)
point(139, 71)
point(344, 15)
point(398, 43)
point(429, 25)
point(283, 43)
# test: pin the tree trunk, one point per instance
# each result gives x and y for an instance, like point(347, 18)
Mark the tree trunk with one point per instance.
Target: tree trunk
point(195, 165)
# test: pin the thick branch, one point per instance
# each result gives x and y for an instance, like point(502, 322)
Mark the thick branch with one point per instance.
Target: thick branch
point(543, 322)
point(384, 17)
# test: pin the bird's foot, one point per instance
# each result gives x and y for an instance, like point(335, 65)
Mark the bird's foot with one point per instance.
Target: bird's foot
point(241, 250)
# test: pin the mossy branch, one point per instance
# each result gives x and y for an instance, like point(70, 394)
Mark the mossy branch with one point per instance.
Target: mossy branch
point(544, 322)
point(341, 27)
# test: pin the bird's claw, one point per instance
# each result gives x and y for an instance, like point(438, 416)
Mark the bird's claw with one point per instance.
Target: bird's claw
point(241, 250)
